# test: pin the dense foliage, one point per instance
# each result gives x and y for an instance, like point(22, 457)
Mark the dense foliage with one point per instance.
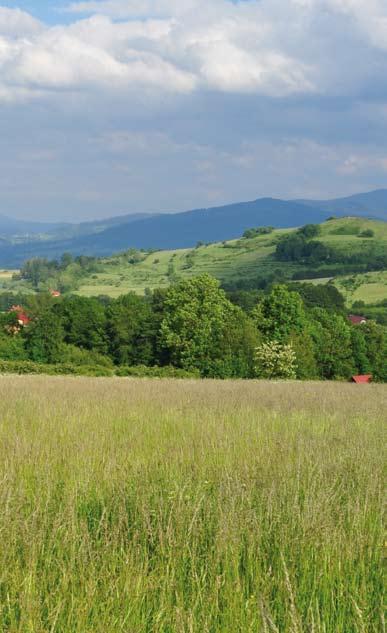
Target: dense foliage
point(259, 230)
point(196, 327)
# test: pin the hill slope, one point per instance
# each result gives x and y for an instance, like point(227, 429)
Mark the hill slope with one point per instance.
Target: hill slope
point(354, 265)
point(237, 260)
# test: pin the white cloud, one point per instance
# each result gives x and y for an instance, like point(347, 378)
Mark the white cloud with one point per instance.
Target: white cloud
point(171, 104)
point(269, 47)
point(171, 47)
point(14, 22)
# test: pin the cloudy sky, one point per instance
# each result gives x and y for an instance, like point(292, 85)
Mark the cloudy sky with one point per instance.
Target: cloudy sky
point(120, 106)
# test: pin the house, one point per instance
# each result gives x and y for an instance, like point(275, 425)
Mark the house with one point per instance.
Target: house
point(22, 318)
point(55, 293)
point(361, 380)
point(356, 319)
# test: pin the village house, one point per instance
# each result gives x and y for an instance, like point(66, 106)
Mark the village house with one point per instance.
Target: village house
point(22, 318)
point(356, 319)
point(361, 380)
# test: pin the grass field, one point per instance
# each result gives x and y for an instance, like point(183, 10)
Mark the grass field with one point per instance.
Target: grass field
point(6, 275)
point(369, 287)
point(140, 506)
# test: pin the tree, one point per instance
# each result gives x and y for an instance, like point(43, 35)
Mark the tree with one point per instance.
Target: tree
point(331, 334)
point(375, 336)
point(310, 230)
point(84, 322)
point(129, 329)
point(303, 347)
point(66, 260)
point(359, 350)
point(44, 338)
point(275, 360)
point(320, 296)
point(279, 314)
point(196, 314)
point(297, 248)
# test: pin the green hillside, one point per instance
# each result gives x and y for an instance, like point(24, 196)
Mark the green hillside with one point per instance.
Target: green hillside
point(354, 245)
point(243, 259)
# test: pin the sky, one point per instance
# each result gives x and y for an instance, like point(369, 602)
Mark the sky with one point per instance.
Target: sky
point(110, 107)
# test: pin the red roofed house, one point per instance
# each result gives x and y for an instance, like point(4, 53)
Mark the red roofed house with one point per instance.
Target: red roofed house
point(55, 293)
point(21, 316)
point(357, 320)
point(361, 380)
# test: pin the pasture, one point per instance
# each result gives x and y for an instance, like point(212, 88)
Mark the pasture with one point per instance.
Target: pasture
point(369, 287)
point(6, 275)
point(165, 506)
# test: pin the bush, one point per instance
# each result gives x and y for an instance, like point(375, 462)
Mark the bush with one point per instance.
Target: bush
point(276, 360)
point(95, 371)
point(367, 233)
point(72, 355)
point(261, 230)
point(12, 348)
point(142, 371)
point(310, 230)
point(29, 367)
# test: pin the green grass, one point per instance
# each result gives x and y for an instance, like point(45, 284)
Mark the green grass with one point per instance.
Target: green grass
point(184, 506)
point(229, 261)
point(369, 287)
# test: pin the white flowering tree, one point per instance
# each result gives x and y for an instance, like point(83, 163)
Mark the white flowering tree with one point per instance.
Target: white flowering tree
point(275, 360)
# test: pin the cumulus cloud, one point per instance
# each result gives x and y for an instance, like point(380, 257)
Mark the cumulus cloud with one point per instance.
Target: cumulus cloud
point(182, 46)
point(222, 48)
point(234, 98)
point(17, 23)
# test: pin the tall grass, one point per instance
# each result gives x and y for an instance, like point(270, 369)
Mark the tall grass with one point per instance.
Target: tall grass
point(164, 506)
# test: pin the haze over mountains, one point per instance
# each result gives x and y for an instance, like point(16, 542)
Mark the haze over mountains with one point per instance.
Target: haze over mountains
point(20, 240)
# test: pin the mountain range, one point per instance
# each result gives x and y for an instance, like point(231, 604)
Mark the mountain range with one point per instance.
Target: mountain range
point(21, 240)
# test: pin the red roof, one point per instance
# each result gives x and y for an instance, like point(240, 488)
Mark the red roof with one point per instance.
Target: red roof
point(21, 316)
point(362, 379)
point(55, 293)
point(356, 319)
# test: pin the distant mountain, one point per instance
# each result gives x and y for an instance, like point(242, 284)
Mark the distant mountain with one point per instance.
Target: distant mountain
point(179, 230)
point(372, 204)
point(10, 227)
point(206, 225)
point(71, 231)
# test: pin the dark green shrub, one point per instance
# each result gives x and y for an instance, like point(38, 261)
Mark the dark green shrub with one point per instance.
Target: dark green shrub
point(141, 371)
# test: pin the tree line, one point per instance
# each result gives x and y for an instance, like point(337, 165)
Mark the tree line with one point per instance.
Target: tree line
point(194, 325)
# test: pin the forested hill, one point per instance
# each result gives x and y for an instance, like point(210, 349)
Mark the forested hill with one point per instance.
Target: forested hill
point(175, 230)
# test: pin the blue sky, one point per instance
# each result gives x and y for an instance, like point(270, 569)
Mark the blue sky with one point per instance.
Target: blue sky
point(119, 106)
point(45, 10)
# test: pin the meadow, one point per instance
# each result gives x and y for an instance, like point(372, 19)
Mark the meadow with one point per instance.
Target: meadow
point(166, 506)
point(368, 287)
